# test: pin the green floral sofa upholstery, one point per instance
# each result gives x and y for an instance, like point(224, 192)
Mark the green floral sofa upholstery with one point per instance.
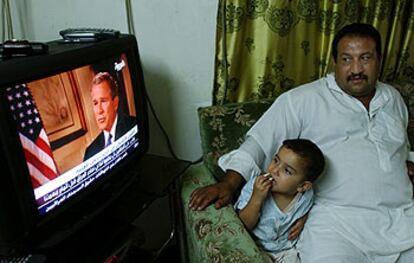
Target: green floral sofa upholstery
point(217, 235)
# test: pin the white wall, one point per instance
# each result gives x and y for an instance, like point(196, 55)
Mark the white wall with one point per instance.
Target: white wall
point(176, 41)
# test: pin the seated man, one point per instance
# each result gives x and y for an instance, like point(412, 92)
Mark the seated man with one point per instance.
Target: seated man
point(364, 209)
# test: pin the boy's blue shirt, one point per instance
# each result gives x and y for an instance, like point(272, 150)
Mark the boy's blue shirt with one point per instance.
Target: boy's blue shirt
point(272, 229)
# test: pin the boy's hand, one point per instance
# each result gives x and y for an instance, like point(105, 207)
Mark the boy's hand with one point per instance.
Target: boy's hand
point(261, 187)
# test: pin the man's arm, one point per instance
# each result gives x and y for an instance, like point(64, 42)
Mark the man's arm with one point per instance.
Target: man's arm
point(220, 193)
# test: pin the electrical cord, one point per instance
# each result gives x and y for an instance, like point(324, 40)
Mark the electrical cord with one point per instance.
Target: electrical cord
point(131, 30)
point(130, 18)
point(7, 20)
point(166, 137)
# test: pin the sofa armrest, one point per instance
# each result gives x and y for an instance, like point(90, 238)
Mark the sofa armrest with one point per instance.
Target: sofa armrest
point(214, 235)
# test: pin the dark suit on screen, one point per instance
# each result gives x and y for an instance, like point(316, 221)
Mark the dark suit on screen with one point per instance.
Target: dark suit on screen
point(124, 124)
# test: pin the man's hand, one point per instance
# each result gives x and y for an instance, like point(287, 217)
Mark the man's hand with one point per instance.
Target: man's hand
point(410, 170)
point(297, 228)
point(220, 193)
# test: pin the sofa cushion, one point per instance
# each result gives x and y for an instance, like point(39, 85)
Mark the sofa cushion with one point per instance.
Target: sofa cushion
point(223, 128)
point(214, 235)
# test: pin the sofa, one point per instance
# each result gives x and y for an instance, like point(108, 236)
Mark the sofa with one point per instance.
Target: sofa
point(218, 235)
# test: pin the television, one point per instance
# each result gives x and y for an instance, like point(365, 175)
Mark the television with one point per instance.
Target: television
point(57, 173)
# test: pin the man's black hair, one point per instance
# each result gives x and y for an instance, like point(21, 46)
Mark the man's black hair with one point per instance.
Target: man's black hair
point(356, 30)
point(105, 76)
point(315, 161)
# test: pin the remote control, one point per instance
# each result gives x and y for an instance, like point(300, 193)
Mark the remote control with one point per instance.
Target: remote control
point(88, 34)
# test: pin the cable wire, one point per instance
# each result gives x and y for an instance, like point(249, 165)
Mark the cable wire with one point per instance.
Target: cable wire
point(3, 22)
point(131, 30)
point(7, 20)
point(130, 18)
point(166, 137)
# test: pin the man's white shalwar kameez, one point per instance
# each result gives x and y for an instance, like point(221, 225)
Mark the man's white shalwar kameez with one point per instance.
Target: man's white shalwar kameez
point(363, 201)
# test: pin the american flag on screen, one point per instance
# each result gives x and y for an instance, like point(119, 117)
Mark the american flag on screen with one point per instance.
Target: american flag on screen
point(33, 137)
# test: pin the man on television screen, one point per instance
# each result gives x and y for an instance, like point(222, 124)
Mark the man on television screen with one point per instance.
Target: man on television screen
point(105, 100)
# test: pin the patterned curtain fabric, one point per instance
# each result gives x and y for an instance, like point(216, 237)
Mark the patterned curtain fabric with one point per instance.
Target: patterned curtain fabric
point(265, 47)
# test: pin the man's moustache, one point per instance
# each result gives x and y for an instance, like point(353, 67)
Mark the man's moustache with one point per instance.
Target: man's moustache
point(357, 76)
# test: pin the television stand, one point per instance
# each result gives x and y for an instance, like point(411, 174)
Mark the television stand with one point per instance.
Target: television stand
point(106, 234)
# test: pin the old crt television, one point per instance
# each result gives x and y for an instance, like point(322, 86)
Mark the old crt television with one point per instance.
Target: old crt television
point(56, 171)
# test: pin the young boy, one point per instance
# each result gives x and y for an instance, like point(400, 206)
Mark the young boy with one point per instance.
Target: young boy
point(269, 204)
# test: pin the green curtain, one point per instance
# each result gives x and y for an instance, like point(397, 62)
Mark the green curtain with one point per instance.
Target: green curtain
point(265, 47)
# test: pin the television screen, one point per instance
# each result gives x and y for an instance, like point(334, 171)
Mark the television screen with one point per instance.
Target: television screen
point(74, 126)
point(61, 121)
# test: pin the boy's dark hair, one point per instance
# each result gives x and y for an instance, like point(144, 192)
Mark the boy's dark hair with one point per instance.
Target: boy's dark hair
point(356, 30)
point(315, 161)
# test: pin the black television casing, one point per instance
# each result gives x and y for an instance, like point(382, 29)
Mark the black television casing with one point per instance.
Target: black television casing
point(22, 229)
